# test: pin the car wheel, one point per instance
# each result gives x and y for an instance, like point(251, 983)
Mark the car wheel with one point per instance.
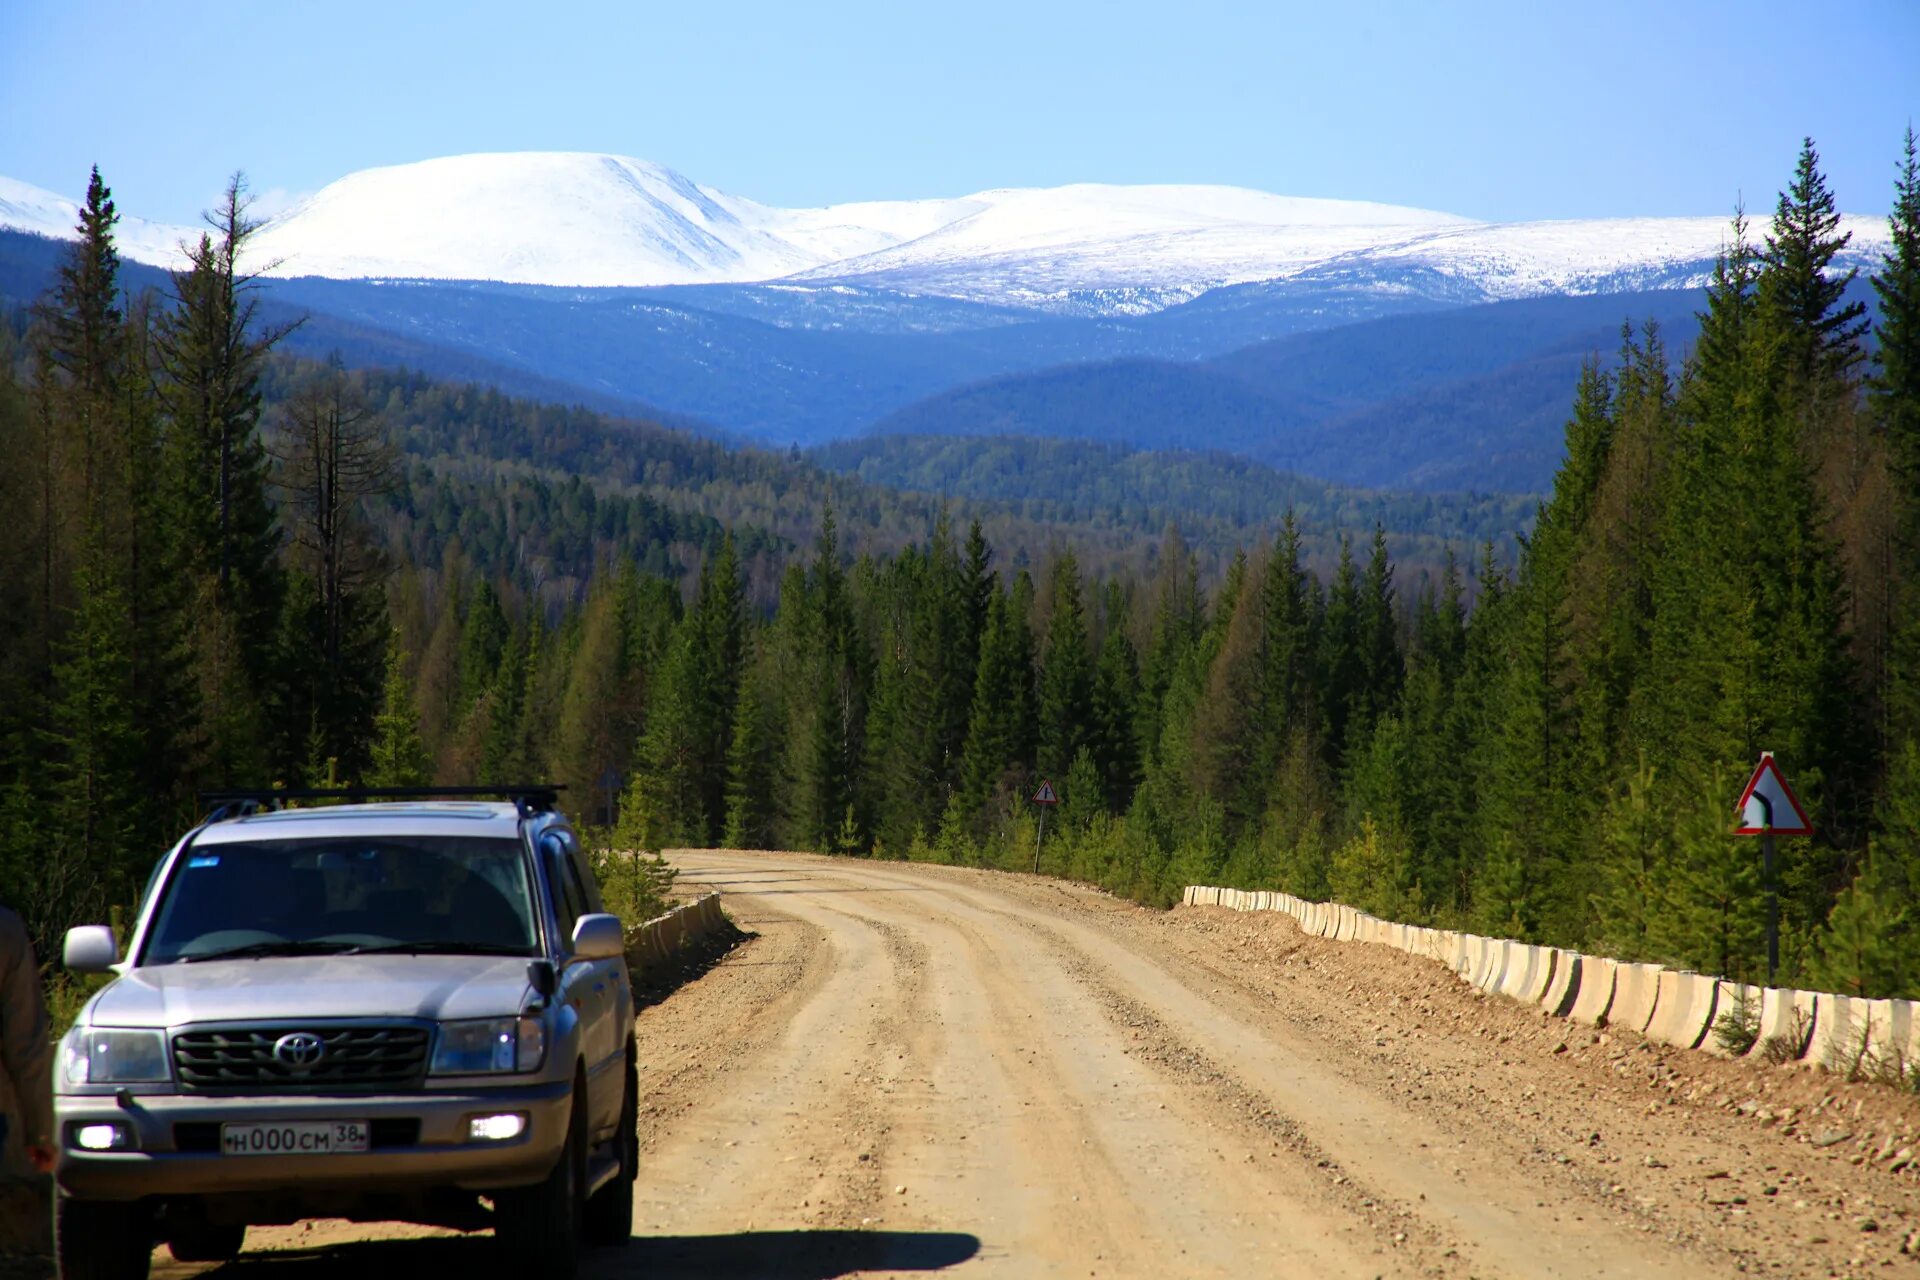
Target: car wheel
point(101, 1239)
point(205, 1242)
point(610, 1209)
point(540, 1226)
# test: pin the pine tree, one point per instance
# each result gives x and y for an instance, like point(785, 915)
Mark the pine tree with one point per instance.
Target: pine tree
point(398, 758)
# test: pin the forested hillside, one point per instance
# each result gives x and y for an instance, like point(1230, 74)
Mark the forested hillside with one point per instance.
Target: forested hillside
point(358, 580)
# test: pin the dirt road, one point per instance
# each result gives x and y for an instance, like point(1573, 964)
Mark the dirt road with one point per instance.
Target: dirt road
point(914, 1070)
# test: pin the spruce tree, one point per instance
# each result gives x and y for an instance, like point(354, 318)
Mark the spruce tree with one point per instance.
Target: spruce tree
point(212, 351)
point(1289, 640)
point(1343, 656)
point(397, 758)
point(82, 338)
point(999, 723)
point(1893, 395)
point(1115, 743)
point(1066, 674)
point(94, 749)
point(750, 765)
point(1822, 333)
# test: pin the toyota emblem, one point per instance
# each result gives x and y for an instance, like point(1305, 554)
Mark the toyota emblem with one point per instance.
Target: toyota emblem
point(300, 1050)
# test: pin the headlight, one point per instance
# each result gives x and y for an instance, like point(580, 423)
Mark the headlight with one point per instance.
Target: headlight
point(93, 1055)
point(487, 1046)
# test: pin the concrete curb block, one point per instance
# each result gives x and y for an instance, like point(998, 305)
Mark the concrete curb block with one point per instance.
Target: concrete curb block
point(1493, 966)
point(1886, 1048)
point(1786, 1018)
point(1469, 954)
point(1564, 987)
point(1839, 1030)
point(1466, 954)
point(1684, 1010)
point(1528, 978)
point(1599, 977)
point(1636, 996)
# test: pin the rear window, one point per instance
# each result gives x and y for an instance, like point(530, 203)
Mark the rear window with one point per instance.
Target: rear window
point(316, 895)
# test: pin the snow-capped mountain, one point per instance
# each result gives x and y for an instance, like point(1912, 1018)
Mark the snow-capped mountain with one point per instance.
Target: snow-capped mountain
point(29, 208)
point(584, 220)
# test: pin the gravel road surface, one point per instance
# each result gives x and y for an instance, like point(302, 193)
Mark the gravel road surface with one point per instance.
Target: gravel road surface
point(916, 1070)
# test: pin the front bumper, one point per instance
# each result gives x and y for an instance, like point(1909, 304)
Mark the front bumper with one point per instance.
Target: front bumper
point(437, 1155)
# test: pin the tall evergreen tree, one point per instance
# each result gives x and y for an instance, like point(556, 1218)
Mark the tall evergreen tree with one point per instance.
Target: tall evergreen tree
point(1066, 674)
point(1115, 744)
point(397, 757)
point(1821, 332)
point(1893, 394)
point(212, 351)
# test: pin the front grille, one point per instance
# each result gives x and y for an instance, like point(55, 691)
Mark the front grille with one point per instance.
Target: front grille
point(353, 1058)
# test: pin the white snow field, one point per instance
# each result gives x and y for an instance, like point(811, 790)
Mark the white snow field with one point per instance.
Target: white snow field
point(586, 220)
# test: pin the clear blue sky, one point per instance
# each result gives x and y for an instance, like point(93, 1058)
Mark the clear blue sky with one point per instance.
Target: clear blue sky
point(1494, 110)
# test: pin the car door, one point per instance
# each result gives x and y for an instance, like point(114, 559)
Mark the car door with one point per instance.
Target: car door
point(588, 985)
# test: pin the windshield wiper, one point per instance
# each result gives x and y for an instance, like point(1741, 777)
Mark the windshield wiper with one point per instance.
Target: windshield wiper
point(439, 949)
point(283, 948)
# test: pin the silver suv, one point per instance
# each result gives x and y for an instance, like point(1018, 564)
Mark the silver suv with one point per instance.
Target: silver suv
point(390, 1011)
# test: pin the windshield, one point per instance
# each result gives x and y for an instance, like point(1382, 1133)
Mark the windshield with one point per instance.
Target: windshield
point(320, 895)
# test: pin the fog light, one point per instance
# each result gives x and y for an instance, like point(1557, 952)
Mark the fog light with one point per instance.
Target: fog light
point(102, 1137)
point(500, 1128)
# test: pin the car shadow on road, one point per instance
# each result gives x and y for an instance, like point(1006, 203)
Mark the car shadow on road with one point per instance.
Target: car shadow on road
point(788, 1255)
point(747, 1255)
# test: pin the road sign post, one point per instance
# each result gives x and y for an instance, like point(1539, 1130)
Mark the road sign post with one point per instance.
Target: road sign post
point(1046, 798)
point(1768, 808)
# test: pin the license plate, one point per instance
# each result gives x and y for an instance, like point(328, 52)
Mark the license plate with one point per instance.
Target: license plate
point(294, 1138)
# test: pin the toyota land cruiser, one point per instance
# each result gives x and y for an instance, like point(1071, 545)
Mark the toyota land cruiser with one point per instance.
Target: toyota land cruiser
point(410, 1010)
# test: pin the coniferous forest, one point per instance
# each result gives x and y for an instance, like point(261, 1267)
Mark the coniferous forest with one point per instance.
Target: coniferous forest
point(229, 568)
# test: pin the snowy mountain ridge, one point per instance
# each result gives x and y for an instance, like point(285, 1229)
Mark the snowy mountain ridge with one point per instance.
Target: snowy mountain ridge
point(587, 220)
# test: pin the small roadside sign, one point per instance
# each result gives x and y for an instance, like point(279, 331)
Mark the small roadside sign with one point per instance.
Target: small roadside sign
point(1768, 805)
point(1045, 795)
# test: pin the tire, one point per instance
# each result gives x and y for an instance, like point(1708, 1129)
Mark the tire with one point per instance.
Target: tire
point(101, 1239)
point(540, 1226)
point(610, 1209)
point(205, 1242)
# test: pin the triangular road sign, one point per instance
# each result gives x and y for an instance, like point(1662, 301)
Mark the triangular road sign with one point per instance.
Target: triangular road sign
point(1768, 803)
point(1045, 795)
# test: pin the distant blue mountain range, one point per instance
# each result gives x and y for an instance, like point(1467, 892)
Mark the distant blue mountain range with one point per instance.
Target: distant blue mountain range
point(1347, 380)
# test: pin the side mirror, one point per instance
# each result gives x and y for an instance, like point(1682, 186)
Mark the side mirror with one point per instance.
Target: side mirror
point(599, 937)
point(91, 948)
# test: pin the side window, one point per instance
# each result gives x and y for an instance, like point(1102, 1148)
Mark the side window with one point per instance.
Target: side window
point(570, 902)
point(590, 888)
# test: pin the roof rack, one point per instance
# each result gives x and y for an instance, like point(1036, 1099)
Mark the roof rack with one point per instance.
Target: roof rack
point(528, 798)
